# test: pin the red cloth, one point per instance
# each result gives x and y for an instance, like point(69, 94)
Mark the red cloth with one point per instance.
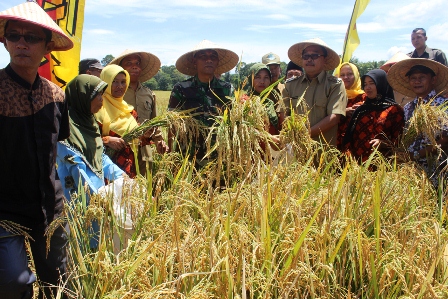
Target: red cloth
point(345, 120)
point(386, 125)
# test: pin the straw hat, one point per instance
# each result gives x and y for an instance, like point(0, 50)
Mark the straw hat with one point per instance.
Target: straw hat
point(399, 56)
point(227, 59)
point(295, 53)
point(31, 12)
point(150, 63)
point(399, 82)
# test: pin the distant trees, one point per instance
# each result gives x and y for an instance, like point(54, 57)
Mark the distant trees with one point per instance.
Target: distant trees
point(105, 61)
point(168, 75)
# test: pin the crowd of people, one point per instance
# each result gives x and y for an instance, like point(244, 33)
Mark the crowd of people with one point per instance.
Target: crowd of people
point(55, 141)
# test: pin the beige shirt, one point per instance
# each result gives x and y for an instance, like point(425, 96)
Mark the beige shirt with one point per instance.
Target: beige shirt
point(144, 101)
point(324, 95)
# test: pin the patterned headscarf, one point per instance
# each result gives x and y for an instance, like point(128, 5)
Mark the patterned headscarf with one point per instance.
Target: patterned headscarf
point(85, 135)
point(354, 90)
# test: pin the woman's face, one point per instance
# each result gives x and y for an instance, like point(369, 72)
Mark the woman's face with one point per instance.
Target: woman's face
point(261, 81)
point(370, 87)
point(347, 76)
point(96, 103)
point(119, 85)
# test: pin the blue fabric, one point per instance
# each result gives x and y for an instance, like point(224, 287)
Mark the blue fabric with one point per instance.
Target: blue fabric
point(72, 168)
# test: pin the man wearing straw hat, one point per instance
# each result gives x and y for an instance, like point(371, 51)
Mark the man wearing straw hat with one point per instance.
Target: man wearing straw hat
point(423, 80)
point(202, 92)
point(324, 95)
point(141, 67)
point(33, 117)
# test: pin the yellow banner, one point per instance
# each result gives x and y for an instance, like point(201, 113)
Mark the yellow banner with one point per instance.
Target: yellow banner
point(62, 66)
point(351, 38)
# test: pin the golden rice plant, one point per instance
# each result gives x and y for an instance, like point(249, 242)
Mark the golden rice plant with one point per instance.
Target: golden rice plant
point(291, 231)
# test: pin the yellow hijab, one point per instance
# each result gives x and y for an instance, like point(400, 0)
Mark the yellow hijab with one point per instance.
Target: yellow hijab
point(355, 89)
point(115, 114)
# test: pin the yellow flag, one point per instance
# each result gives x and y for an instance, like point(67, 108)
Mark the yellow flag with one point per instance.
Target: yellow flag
point(351, 38)
point(62, 66)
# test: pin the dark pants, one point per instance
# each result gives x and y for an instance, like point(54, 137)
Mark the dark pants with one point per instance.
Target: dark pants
point(16, 278)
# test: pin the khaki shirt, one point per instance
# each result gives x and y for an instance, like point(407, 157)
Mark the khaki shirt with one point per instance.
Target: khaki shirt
point(144, 101)
point(324, 95)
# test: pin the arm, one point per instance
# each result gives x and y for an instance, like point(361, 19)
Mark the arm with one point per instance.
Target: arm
point(325, 124)
point(73, 166)
point(110, 170)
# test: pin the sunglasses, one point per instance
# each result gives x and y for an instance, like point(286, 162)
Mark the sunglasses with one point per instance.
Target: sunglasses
point(312, 56)
point(29, 38)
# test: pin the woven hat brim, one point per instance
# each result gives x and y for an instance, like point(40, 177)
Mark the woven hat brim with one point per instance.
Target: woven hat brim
point(399, 82)
point(150, 63)
point(32, 13)
point(227, 61)
point(295, 55)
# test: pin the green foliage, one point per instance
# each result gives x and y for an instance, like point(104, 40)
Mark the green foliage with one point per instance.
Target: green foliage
point(365, 67)
point(152, 84)
point(108, 58)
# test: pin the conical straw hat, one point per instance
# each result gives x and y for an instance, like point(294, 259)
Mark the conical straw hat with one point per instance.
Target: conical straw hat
point(399, 56)
point(296, 50)
point(31, 12)
point(400, 82)
point(227, 59)
point(150, 63)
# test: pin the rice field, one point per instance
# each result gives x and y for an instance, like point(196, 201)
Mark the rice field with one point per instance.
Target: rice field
point(306, 224)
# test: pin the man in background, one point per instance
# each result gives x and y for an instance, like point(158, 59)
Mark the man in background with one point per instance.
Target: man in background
point(418, 39)
point(90, 66)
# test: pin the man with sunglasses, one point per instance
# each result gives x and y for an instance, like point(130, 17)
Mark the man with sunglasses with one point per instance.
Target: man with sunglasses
point(33, 117)
point(324, 95)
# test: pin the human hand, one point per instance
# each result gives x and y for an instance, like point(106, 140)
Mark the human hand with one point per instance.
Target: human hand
point(375, 142)
point(115, 143)
point(349, 110)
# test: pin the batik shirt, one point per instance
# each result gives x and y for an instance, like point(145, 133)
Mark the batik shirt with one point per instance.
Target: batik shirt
point(33, 117)
point(432, 169)
point(208, 100)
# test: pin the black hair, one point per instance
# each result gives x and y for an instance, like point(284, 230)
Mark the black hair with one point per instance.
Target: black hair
point(419, 29)
point(47, 32)
point(420, 69)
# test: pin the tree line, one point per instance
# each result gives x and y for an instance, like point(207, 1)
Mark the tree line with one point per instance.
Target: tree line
point(168, 75)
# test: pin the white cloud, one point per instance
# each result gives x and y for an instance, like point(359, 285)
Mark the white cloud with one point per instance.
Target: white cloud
point(393, 50)
point(278, 17)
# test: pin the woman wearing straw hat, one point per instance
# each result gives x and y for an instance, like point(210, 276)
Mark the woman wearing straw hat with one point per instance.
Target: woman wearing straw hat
point(33, 118)
point(424, 80)
point(202, 92)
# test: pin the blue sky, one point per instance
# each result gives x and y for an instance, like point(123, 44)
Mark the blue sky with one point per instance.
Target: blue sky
point(252, 28)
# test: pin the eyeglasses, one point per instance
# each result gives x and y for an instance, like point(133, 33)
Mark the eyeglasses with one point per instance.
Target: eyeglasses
point(29, 38)
point(312, 56)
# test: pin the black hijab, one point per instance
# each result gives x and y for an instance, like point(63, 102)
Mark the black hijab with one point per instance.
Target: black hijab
point(384, 99)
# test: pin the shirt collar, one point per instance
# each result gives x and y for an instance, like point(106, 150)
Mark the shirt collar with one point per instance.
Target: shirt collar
point(426, 99)
point(19, 80)
point(319, 77)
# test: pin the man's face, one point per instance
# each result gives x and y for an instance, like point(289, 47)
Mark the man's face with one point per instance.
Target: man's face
point(293, 73)
point(275, 71)
point(421, 84)
point(132, 63)
point(418, 39)
point(313, 67)
point(206, 62)
point(27, 55)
